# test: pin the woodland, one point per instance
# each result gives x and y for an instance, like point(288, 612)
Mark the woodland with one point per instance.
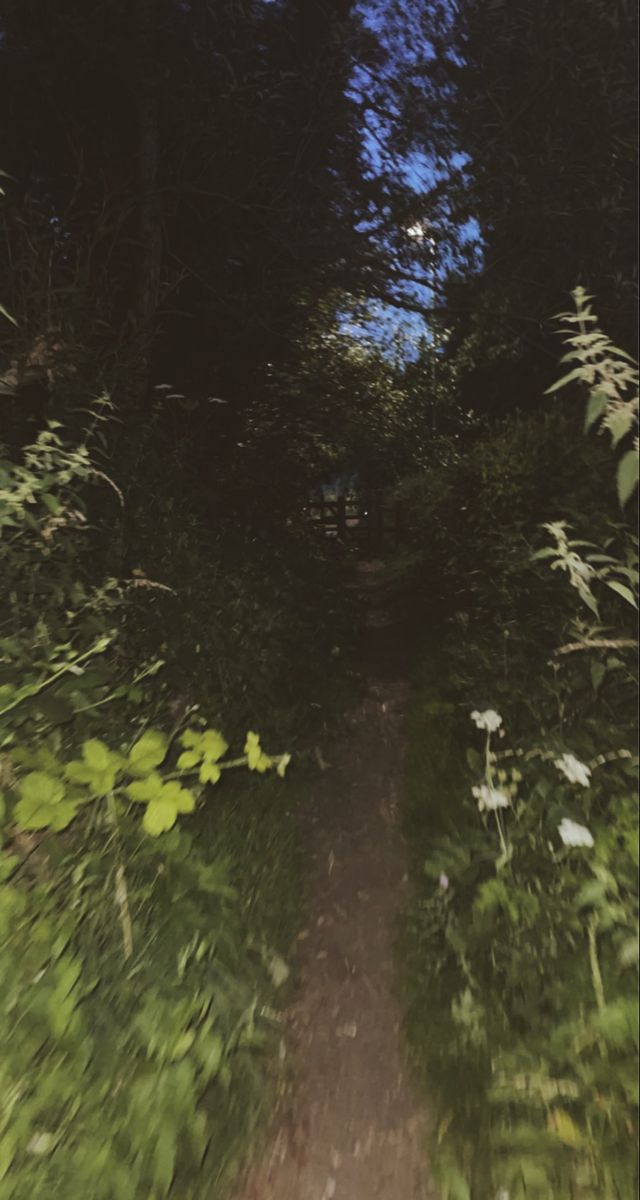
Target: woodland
point(249, 248)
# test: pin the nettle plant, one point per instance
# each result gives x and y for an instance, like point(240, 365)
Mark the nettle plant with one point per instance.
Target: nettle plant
point(611, 377)
point(548, 953)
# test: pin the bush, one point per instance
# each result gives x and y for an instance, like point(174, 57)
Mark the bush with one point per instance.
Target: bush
point(142, 928)
point(522, 950)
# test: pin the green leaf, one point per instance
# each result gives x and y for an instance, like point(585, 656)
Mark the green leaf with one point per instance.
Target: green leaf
point(597, 404)
point(187, 760)
point(40, 787)
point(41, 802)
point(627, 476)
point(145, 790)
point(160, 815)
point(62, 815)
point(148, 752)
point(577, 373)
point(96, 754)
point(209, 772)
point(619, 421)
point(78, 771)
point(213, 745)
point(622, 590)
point(182, 799)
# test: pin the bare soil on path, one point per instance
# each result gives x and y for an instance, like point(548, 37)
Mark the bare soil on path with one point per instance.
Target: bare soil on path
point(349, 1126)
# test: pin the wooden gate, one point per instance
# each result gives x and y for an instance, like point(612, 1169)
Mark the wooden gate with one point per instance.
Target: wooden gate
point(365, 521)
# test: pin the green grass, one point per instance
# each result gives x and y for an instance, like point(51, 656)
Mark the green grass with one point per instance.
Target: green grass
point(451, 1073)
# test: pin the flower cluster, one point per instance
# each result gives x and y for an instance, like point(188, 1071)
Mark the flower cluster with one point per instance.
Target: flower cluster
point(575, 771)
point(488, 720)
point(489, 799)
point(573, 834)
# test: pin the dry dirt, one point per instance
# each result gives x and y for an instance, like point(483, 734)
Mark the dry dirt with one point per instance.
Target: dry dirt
point(349, 1126)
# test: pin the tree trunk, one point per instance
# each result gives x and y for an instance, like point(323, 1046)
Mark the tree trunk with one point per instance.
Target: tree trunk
point(149, 214)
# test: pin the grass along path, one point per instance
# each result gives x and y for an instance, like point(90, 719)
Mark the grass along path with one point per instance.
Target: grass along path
point(349, 1126)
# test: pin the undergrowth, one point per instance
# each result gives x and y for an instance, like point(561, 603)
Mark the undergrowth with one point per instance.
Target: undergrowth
point(149, 869)
point(520, 953)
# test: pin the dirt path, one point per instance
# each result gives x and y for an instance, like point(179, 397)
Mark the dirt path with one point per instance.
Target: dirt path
point(350, 1129)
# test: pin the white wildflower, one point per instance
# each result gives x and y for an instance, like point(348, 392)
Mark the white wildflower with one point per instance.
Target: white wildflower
point(489, 799)
point(489, 720)
point(575, 771)
point(573, 834)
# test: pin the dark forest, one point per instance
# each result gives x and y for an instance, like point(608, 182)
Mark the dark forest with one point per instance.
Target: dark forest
point(319, 583)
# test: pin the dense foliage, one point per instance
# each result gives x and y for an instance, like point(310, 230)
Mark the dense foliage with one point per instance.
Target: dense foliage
point(142, 912)
point(522, 950)
point(208, 214)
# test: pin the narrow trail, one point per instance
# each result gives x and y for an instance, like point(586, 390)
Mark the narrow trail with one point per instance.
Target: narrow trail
point(350, 1127)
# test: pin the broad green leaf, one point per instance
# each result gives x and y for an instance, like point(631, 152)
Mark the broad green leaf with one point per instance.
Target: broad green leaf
point(209, 772)
point(62, 815)
point(182, 799)
point(627, 475)
point(145, 790)
point(213, 745)
point(79, 771)
point(100, 781)
point(257, 760)
point(187, 760)
point(42, 803)
point(160, 815)
point(96, 754)
point(40, 787)
point(148, 752)
point(619, 421)
point(622, 590)
point(597, 404)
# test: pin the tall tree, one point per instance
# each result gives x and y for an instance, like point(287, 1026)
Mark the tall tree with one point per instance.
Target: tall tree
point(518, 120)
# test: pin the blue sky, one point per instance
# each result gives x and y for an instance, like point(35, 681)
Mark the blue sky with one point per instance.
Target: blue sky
point(399, 29)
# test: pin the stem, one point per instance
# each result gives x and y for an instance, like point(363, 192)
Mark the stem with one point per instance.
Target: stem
point(121, 891)
point(122, 900)
point(503, 842)
point(488, 769)
point(594, 963)
point(99, 648)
